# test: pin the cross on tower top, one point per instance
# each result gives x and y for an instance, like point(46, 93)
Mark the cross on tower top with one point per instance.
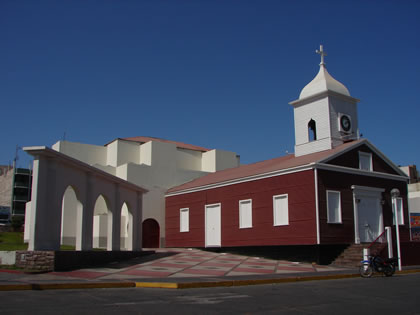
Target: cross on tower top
point(322, 53)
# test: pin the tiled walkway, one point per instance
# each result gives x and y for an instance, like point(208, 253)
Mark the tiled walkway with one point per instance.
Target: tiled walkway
point(187, 263)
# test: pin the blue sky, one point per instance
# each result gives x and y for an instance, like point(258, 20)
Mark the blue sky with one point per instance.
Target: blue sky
point(217, 74)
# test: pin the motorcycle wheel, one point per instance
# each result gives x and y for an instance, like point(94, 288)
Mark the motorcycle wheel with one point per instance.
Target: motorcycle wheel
point(366, 270)
point(389, 270)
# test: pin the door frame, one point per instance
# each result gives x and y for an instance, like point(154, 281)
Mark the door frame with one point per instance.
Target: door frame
point(206, 209)
point(358, 192)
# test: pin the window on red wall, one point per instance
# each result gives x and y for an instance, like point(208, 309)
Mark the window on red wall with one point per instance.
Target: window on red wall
point(281, 210)
point(245, 214)
point(333, 206)
point(365, 161)
point(184, 220)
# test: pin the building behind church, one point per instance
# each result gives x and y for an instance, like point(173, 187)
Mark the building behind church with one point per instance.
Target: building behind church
point(152, 163)
point(15, 191)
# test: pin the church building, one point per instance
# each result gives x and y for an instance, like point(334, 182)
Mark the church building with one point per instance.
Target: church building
point(335, 190)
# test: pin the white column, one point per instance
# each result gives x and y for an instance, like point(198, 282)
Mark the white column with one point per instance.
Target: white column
point(366, 253)
point(397, 229)
point(389, 240)
point(114, 227)
point(86, 232)
point(45, 220)
point(137, 222)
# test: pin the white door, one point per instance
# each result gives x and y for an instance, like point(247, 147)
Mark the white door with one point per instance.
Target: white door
point(369, 218)
point(213, 226)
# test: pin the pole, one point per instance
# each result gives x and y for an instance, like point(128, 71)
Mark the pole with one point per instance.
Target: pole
point(397, 229)
point(389, 240)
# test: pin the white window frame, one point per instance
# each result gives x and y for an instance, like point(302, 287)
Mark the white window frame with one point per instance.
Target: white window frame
point(400, 212)
point(369, 157)
point(184, 220)
point(244, 216)
point(339, 214)
point(283, 219)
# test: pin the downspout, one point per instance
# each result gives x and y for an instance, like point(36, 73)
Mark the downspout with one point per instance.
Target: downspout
point(316, 206)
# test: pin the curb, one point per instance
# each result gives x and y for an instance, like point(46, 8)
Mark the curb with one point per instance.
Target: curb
point(407, 271)
point(235, 283)
point(61, 286)
point(180, 285)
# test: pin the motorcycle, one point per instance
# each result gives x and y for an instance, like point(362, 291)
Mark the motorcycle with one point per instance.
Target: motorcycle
point(377, 264)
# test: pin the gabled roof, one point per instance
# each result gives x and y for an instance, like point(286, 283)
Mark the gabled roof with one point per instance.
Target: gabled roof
point(178, 144)
point(281, 165)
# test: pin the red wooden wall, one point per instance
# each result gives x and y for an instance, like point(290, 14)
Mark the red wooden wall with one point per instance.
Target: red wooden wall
point(344, 233)
point(302, 217)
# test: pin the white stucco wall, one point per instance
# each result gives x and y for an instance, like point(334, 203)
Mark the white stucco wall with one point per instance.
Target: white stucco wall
point(111, 154)
point(88, 153)
point(188, 159)
point(146, 153)
point(120, 152)
point(217, 160)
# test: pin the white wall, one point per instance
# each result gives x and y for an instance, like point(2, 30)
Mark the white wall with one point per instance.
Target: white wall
point(111, 154)
point(88, 153)
point(324, 112)
point(120, 152)
point(188, 159)
point(319, 112)
point(217, 160)
point(414, 197)
point(146, 153)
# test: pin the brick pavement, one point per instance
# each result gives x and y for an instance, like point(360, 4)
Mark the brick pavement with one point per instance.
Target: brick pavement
point(185, 263)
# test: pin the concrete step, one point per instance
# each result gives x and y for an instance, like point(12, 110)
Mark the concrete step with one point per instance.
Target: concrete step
point(350, 257)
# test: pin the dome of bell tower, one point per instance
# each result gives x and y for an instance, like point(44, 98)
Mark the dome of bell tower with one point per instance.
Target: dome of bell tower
point(323, 81)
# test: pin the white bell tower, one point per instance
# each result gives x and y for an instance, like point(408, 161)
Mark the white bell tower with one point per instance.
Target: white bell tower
point(325, 113)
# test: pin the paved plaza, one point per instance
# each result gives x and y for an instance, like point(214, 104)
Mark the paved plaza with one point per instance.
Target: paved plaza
point(183, 263)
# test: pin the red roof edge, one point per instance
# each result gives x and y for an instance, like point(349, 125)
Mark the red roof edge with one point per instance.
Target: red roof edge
point(180, 145)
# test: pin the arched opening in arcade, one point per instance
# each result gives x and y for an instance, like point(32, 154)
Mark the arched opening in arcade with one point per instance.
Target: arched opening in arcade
point(126, 228)
point(102, 224)
point(71, 217)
